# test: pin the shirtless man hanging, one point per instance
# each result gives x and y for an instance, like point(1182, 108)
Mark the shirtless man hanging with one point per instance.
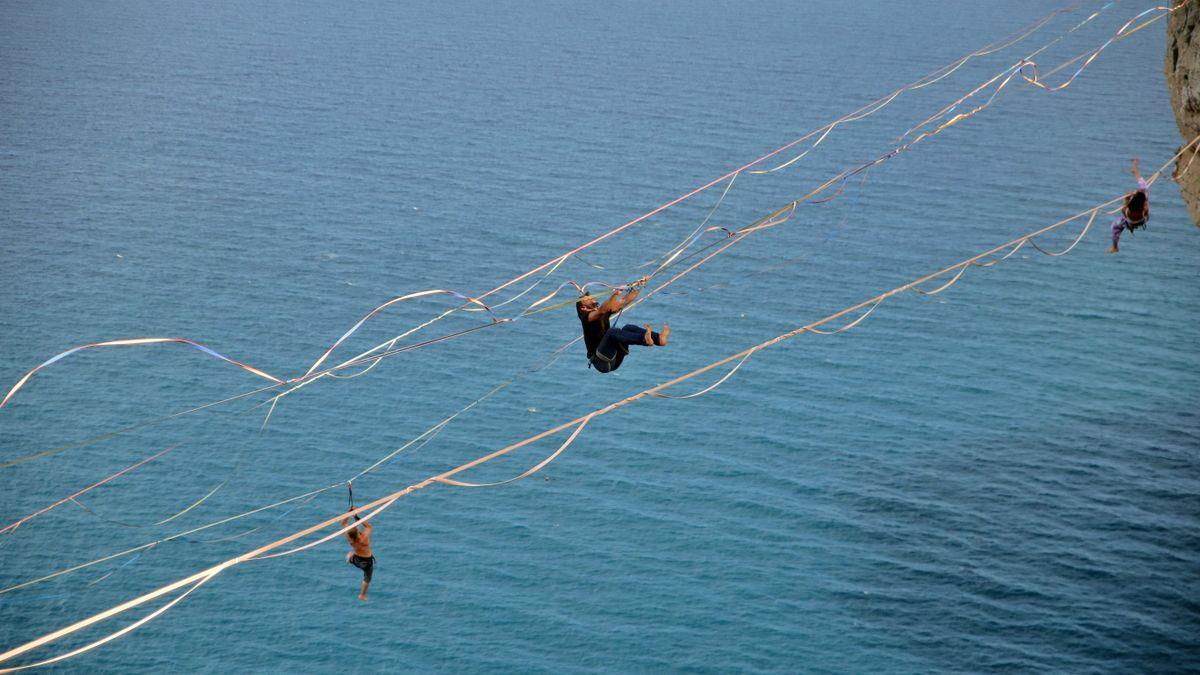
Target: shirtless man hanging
point(360, 550)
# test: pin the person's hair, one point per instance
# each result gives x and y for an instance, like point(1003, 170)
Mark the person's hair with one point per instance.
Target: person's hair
point(1136, 203)
point(353, 532)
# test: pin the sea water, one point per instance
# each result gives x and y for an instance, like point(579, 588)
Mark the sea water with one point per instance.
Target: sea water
point(1003, 476)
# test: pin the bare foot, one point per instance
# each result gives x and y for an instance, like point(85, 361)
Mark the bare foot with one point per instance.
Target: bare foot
point(649, 338)
point(662, 337)
point(1112, 249)
point(362, 597)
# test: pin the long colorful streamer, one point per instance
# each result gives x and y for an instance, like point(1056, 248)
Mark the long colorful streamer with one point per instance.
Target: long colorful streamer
point(823, 131)
point(129, 343)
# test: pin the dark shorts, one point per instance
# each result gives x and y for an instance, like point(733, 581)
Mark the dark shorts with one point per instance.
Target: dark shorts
point(605, 363)
point(610, 352)
point(367, 565)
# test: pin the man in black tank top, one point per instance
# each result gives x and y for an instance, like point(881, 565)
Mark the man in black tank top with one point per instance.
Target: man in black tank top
point(607, 346)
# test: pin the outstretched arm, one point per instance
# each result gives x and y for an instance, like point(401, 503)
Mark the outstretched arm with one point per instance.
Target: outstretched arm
point(346, 522)
point(1137, 175)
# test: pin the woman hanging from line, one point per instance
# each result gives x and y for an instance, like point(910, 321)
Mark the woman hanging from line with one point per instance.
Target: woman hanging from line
point(1135, 213)
point(607, 346)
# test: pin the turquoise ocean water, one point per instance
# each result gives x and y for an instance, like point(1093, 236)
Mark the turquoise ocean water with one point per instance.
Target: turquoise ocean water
point(1002, 477)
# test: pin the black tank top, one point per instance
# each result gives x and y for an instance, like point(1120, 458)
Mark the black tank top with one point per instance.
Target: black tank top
point(593, 331)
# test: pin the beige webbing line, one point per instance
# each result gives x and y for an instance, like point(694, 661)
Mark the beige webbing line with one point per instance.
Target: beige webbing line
point(1075, 243)
point(534, 469)
point(710, 387)
point(116, 634)
point(862, 317)
point(948, 284)
point(1001, 259)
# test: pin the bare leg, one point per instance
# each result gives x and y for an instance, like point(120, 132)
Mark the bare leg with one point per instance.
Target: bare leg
point(662, 337)
point(649, 336)
point(363, 594)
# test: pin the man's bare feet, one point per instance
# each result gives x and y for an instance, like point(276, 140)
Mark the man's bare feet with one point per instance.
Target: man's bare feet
point(662, 337)
point(1113, 249)
point(362, 597)
point(649, 337)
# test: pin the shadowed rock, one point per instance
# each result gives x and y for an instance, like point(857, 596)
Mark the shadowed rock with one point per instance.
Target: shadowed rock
point(1182, 68)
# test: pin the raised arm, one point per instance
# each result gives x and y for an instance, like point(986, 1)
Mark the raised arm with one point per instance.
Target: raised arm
point(612, 304)
point(365, 536)
point(1137, 175)
point(596, 311)
point(617, 302)
point(629, 297)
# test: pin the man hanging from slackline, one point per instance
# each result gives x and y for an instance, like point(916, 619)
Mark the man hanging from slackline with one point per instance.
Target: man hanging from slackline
point(607, 346)
point(360, 546)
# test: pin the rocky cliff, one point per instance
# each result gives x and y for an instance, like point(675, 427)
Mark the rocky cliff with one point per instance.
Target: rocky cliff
point(1182, 68)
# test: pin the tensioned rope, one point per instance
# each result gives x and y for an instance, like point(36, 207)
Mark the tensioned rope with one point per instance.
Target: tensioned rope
point(886, 99)
point(859, 113)
point(1004, 78)
point(367, 511)
point(11, 527)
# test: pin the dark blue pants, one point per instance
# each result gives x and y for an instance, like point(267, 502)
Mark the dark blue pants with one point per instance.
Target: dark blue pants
point(615, 345)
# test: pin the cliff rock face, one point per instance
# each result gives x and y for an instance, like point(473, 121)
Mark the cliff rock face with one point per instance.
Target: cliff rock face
point(1182, 68)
